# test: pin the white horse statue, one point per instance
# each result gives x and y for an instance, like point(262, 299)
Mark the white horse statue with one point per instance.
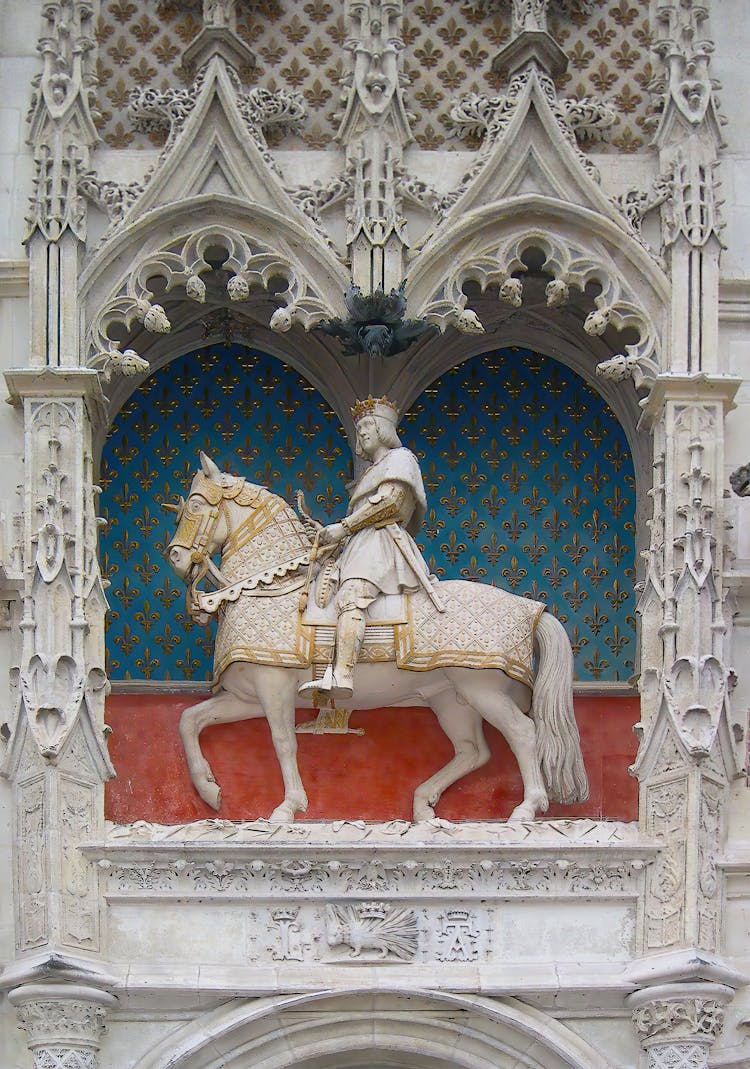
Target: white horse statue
point(268, 644)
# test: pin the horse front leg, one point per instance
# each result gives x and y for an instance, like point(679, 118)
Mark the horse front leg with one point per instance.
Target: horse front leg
point(463, 726)
point(277, 692)
point(223, 708)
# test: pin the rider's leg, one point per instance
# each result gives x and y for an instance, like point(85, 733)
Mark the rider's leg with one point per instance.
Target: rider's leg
point(350, 634)
point(351, 601)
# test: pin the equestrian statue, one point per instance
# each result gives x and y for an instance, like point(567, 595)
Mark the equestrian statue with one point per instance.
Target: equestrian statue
point(312, 615)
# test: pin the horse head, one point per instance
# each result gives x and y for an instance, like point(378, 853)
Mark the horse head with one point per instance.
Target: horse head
point(202, 518)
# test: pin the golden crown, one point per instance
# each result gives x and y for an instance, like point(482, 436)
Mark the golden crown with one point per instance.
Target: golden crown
point(375, 406)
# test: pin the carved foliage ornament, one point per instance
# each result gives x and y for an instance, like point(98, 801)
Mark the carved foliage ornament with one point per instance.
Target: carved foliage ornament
point(63, 1031)
point(167, 110)
point(46, 1019)
point(697, 1019)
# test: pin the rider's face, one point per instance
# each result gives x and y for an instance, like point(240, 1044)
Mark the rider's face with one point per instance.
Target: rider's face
point(367, 432)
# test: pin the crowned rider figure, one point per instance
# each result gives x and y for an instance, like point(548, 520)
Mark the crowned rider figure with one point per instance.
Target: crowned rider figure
point(377, 551)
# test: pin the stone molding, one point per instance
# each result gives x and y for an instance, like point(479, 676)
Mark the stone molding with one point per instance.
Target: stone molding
point(14, 278)
point(328, 894)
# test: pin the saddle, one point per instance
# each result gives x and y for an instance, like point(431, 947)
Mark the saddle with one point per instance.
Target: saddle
point(381, 617)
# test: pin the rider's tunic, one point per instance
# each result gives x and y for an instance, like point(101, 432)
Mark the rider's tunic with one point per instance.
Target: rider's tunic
point(372, 554)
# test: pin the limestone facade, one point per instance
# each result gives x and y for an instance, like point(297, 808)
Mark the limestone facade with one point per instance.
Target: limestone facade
point(493, 156)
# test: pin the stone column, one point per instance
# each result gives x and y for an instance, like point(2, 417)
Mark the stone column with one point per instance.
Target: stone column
point(56, 752)
point(678, 1023)
point(692, 744)
point(63, 1023)
point(57, 755)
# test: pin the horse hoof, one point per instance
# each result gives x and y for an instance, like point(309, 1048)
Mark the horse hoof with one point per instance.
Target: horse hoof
point(423, 811)
point(529, 808)
point(282, 814)
point(211, 794)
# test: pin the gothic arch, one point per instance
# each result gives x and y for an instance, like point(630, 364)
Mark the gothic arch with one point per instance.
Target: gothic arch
point(397, 1028)
point(578, 246)
point(261, 248)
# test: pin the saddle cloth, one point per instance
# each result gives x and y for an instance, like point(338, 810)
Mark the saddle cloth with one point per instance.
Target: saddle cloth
point(482, 627)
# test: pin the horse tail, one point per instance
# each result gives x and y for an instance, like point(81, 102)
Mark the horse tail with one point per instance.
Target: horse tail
point(558, 741)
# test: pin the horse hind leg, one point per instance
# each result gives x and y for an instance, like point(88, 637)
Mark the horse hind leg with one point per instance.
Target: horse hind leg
point(484, 691)
point(463, 726)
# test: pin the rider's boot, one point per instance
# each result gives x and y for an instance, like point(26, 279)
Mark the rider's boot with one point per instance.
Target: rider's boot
point(350, 633)
point(338, 679)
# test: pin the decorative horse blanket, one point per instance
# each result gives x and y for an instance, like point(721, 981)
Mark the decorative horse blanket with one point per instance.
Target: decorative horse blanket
point(482, 627)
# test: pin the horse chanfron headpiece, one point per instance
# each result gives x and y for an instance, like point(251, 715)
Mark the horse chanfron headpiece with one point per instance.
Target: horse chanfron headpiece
point(375, 406)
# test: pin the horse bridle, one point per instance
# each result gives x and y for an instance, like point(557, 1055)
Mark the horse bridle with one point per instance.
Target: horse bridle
point(194, 534)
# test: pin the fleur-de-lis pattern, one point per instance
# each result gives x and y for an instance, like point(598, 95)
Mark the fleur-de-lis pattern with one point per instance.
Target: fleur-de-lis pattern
point(529, 481)
point(449, 49)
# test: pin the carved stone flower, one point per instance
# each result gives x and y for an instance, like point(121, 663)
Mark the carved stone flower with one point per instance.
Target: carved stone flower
point(512, 291)
point(155, 320)
point(468, 322)
point(281, 320)
point(596, 322)
point(129, 362)
point(195, 288)
point(557, 293)
point(237, 288)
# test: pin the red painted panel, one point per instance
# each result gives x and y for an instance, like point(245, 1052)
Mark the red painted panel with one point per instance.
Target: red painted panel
point(369, 777)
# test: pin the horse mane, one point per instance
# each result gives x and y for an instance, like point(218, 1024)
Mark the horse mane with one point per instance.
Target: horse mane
point(255, 496)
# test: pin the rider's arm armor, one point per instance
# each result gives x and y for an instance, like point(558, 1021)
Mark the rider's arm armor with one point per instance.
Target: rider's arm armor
point(380, 509)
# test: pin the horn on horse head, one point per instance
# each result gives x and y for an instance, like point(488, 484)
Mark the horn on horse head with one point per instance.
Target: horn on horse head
point(209, 468)
point(169, 506)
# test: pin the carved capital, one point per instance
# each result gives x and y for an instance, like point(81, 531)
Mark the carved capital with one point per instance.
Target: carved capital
point(696, 1019)
point(64, 1023)
point(678, 1023)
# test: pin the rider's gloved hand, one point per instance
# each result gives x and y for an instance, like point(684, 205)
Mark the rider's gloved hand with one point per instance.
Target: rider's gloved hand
point(334, 532)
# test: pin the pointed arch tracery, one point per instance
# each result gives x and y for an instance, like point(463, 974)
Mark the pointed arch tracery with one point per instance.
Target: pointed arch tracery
point(488, 246)
point(259, 247)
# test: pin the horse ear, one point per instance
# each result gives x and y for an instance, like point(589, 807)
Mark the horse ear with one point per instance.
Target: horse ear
point(209, 469)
